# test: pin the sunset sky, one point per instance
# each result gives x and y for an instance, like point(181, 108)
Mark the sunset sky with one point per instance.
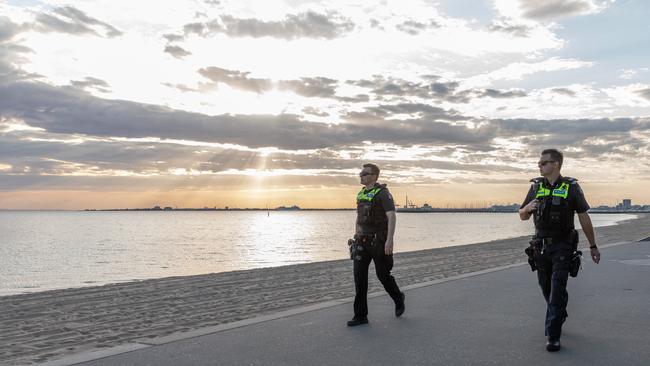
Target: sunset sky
point(109, 104)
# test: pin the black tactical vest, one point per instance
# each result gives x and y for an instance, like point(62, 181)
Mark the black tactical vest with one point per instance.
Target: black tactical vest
point(554, 216)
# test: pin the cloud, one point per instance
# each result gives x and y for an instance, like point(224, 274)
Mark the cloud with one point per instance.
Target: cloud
point(629, 74)
point(85, 135)
point(70, 20)
point(645, 93)
point(59, 110)
point(554, 9)
point(315, 112)
point(413, 27)
point(359, 98)
point(91, 83)
point(310, 87)
point(308, 24)
point(510, 27)
point(177, 51)
point(493, 93)
point(11, 54)
point(564, 91)
point(568, 131)
point(448, 91)
point(236, 79)
point(8, 29)
point(402, 88)
point(517, 70)
point(549, 10)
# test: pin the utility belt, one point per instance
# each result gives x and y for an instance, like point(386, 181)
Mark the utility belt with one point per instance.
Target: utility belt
point(363, 243)
point(551, 239)
point(539, 246)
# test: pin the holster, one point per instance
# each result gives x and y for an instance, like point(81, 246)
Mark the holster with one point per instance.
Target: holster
point(532, 250)
point(575, 263)
point(358, 245)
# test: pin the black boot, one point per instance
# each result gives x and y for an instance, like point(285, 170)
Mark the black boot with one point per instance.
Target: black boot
point(553, 344)
point(357, 321)
point(399, 305)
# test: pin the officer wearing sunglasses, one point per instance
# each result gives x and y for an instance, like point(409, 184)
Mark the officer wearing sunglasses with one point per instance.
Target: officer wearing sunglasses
point(373, 241)
point(552, 201)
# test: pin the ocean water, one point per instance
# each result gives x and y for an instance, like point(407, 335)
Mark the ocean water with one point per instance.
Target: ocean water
point(43, 250)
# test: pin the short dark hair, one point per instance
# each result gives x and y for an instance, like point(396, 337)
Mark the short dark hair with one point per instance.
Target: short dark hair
point(373, 168)
point(555, 155)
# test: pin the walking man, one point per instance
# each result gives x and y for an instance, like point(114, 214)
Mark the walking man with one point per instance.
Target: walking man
point(552, 200)
point(375, 228)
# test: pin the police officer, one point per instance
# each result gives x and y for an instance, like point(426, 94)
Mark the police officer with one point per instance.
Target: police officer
point(552, 201)
point(375, 228)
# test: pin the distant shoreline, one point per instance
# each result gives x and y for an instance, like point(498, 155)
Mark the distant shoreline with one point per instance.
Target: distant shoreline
point(451, 210)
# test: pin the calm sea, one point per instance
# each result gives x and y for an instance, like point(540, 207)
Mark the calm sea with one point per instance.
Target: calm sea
point(50, 250)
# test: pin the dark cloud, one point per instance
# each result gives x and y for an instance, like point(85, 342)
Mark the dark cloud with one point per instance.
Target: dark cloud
point(645, 93)
point(8, 29)
point(564, 133)
point(36, 157)
point(392, 87)
point(236, 79)
point(70, 20)
point(173, 37)
point(177, 51)
point(552, 9)
point(564, 91)
point(35, 161)
point(413, 27)
point(310, 87)
point(182, 87)
point(91, 83)
point(69, 111)
point(309, 24)
point(359, 98)
point(65, 111)
point(432, 88)
point(315, 112)
point(506, 26)
point(11, 53)
point(374, 23)
point(493, 93)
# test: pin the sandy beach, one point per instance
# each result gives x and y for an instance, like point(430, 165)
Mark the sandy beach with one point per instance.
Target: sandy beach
point(47, 325)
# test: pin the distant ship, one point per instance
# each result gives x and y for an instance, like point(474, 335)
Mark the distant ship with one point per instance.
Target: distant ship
point(285, 208)
point(410, 207)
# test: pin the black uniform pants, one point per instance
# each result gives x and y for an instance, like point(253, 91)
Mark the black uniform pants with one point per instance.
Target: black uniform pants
point(553, 264)
point(374, 250)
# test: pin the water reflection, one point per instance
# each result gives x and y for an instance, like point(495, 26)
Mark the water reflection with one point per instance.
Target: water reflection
point(101, 247)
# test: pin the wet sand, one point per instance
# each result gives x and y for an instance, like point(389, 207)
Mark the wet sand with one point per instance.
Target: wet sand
point(44, 326)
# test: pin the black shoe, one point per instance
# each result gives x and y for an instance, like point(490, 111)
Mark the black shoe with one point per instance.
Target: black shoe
point(357, 321)
point(399, 306)
point(553, 344)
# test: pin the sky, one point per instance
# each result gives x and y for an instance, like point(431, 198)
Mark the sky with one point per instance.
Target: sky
point(116, 104)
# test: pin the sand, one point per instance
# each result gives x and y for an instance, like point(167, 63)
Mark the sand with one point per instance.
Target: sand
point(43, 326)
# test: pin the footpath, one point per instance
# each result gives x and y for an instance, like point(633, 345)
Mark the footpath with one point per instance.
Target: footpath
point(491, 317)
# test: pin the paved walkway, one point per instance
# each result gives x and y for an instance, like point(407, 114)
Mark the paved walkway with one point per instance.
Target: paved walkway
point(493, 318)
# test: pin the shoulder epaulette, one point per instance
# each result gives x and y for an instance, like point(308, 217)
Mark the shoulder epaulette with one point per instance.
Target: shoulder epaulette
point(570, 180)
point(537, 180)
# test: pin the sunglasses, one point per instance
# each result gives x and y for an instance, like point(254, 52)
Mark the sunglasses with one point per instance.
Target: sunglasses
point(544, 162)
point(363, 174)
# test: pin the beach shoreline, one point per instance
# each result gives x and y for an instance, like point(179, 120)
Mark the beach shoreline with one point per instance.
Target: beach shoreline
point(47, 325)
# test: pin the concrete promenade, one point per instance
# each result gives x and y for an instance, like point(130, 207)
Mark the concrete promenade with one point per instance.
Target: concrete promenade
point(492, 318)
